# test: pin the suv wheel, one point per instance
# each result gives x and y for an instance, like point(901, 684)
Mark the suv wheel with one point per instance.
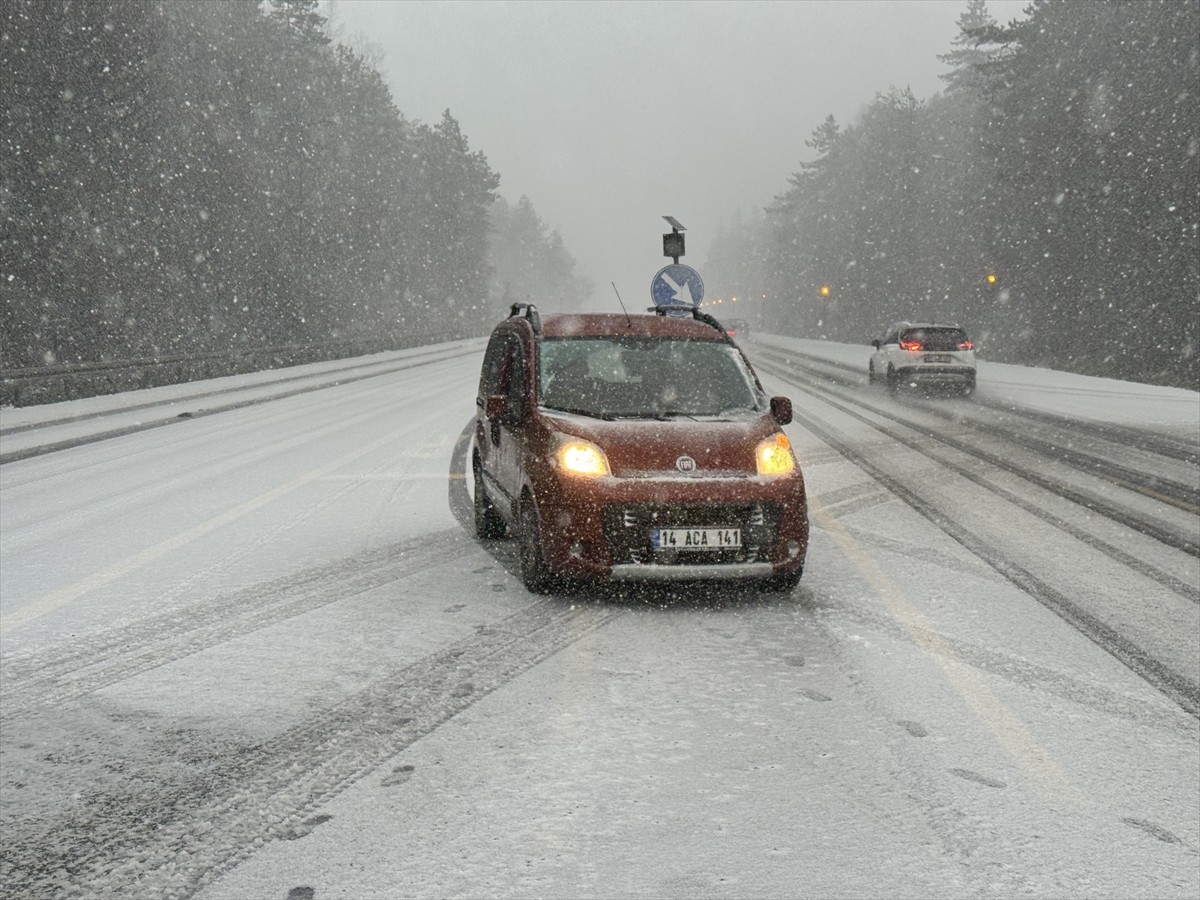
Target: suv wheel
point(534, 571)
point(893, 380)
point(488, 522)
point(871, 373)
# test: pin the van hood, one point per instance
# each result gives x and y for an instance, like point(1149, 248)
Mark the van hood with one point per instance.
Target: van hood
point(647, 448)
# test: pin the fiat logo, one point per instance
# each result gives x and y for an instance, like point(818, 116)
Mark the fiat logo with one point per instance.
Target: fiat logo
point(685, 464)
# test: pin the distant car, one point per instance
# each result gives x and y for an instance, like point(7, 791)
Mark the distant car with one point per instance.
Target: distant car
point(637, 447)
point(924, 354)
point(737, 328)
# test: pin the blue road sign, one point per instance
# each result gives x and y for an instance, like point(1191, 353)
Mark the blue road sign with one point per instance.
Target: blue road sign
point(677, 285)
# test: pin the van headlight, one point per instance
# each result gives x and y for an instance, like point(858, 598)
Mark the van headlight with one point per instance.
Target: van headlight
point(774, 456)
point(581, 457)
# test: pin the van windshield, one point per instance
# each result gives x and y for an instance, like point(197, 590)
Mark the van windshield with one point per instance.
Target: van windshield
point(640, 377)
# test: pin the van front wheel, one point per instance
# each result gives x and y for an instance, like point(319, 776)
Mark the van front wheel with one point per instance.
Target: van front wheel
point(781, 584)
point(534, 572)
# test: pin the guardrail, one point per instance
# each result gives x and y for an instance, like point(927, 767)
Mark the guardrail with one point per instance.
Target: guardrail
point(73, 381)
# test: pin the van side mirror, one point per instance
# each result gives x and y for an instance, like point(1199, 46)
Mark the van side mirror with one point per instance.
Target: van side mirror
point(781, 409)
point(875, 343)
point(501, 409)
point(494, 406)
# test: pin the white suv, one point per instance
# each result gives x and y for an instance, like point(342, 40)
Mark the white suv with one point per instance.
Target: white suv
point(924, 354)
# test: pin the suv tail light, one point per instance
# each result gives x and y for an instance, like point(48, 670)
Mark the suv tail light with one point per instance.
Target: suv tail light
point(910, 345)
point(965, 345)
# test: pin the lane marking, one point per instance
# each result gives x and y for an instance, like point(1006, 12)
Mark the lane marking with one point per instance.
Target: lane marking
point(1009, 731)
point(398, 476)
point(72, 592)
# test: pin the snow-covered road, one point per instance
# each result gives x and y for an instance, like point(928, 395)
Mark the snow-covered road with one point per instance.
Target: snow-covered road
point(249, 647)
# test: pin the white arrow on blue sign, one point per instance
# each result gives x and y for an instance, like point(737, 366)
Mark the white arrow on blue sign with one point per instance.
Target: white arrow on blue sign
point(677, 285)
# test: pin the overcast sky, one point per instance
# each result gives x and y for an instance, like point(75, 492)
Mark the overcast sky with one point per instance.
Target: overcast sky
point(610, 115)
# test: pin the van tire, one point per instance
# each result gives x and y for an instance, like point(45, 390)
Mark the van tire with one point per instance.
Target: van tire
point(489, 524)
point(781, 584)
point(534, 572)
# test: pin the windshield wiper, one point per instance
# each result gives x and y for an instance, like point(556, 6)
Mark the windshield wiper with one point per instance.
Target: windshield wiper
point(723, 415)
point(668, 414)
point(579, 411)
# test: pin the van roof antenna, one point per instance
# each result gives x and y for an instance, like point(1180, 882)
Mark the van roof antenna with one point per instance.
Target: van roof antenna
point(622, 302)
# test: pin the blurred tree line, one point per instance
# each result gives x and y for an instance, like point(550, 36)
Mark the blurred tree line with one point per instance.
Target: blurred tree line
point(1062, 159)
point(530, 261)
point(180, 176)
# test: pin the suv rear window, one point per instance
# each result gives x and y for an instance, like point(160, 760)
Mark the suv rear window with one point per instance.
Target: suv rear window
point(644, 377)
point(936, 338)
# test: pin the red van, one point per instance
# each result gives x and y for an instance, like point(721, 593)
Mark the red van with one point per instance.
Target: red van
point(637, 447)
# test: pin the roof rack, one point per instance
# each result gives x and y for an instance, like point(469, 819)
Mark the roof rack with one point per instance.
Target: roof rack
point(531, 313)
point(662, 309)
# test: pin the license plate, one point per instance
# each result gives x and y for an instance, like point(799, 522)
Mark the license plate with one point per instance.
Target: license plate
point(695, 538)
point(937, 359)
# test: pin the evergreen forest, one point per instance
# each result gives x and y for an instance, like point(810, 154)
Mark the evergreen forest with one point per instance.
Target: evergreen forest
point(1048, 200)
point(189, 177)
